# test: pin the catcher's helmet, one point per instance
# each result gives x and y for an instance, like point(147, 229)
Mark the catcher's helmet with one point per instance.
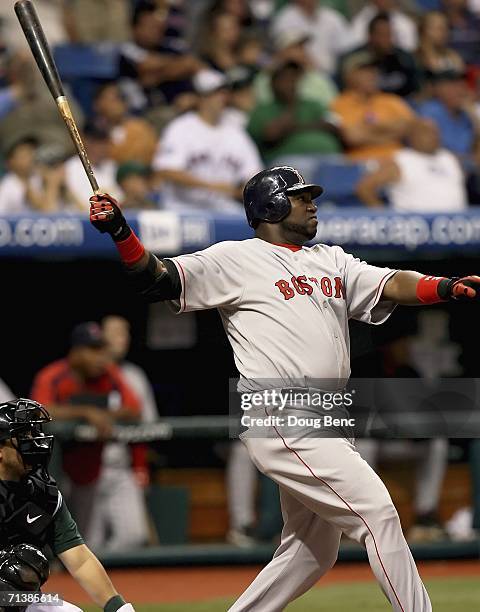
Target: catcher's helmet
point(265, 196)
point(21, 421)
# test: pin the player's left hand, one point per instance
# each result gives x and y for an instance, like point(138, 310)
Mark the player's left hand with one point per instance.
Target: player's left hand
point(462, 289)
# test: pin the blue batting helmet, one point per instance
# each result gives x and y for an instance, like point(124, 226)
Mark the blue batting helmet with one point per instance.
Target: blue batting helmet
point(265, 196)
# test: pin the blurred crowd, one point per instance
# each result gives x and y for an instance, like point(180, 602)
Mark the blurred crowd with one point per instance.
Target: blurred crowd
point(180, 102)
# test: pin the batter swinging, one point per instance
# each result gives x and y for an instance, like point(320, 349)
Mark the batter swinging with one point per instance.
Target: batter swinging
point(285, 309)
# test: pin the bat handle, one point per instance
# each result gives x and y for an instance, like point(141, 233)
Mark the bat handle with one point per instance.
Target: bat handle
point(65, 111)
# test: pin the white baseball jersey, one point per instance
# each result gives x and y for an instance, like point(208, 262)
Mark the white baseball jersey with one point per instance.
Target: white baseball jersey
point(428, 183)
point(285, 309)
point(221, 153)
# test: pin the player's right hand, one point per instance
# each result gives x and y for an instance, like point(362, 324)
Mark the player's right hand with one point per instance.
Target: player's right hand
point(107, 217)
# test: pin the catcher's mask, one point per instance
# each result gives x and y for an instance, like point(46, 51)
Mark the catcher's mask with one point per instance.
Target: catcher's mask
point(21, 421)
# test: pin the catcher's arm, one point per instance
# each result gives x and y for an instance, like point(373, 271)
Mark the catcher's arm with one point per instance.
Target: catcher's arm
point(90, 574)
point(413, 288)
point(154, 278)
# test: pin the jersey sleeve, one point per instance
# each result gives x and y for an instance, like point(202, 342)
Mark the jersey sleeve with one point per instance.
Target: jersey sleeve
point(211, 278)
point(363, 286)
point(65, 531)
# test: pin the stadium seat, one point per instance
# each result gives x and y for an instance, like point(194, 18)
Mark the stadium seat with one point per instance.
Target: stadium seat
point(339, 179)
point(84, 67)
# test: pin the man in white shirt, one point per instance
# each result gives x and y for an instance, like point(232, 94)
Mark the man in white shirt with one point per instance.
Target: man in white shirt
point(422, 177)
point(97, 143)
point(202, 161)
point(327, 30)
point(404, 28)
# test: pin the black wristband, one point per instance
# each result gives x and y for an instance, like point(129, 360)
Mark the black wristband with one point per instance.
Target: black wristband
point(444, 288)
point(121, 233)
point(114, 603)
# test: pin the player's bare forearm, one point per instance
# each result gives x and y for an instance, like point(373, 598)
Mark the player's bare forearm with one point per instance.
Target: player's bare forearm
point(90, 574)
point(401, 288)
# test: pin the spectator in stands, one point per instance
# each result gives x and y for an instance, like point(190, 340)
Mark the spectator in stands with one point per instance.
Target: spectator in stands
point(464, 30)
point(155, 69)
point(291, 125)
point(433, 53)
point(403, 27)
point(85, 386)
point(451, 109)
point(219, 41)
point(23, 189)
point(397, 68)
point(292, 47)
point(250, 50)
point(134, 179)
point(204, 162)
point(97, 143)
point(372, 123)
point(422, 177)
point(90, 21)
point(242, 96)
point(240, 9)
point(328, 30)
point(130, 137)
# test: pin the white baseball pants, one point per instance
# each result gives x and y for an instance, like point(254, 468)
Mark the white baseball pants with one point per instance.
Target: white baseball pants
point(327, 489)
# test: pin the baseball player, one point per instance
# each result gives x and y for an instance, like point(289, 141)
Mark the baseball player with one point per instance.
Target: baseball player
point(285, 308)
point(34, 521)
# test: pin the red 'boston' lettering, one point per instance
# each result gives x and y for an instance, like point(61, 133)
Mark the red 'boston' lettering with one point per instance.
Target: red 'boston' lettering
point(285, 289)
point(303, 287)
point(326, 286)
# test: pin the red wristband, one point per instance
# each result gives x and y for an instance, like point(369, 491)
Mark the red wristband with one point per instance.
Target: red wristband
point(131, 250)
point(427, 289)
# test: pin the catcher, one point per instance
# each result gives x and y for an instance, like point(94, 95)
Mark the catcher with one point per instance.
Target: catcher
point(35, 523)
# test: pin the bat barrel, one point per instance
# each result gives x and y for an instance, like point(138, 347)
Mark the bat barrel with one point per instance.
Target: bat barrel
point(28, 18)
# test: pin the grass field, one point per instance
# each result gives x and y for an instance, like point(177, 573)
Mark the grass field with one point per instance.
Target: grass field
point(448, 595)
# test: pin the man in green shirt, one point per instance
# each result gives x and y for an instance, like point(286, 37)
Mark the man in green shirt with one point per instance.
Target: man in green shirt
point(290, 125)
point(33, 512)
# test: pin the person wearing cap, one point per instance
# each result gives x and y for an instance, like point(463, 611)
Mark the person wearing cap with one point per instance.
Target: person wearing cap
point(202, 162)
point(327, 29)
point(134, 179)
point(397, 68)
point(290, 125)
point(85, 386)
point(372, 123)
point(292, 46)
point(97, 143)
